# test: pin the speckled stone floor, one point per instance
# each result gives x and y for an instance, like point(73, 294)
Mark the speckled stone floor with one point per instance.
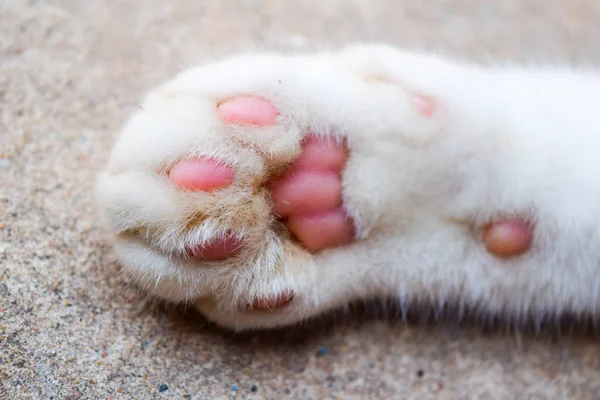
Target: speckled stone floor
point(72, 327)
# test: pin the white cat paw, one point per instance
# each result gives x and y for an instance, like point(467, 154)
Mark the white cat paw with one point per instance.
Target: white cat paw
point(267, 189)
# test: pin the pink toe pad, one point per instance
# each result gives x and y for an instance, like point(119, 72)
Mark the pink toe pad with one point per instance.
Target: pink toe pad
point(200, 175)
point(248, 110)
point(272, 303)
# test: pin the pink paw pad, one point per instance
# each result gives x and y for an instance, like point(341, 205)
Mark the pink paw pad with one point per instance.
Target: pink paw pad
point(200, 175)
point(271, 303)
point(248, 110)
point(310, 196)
point(307, 191)
point(425, 105)
point(507, 238)
point(217, 250)
point(317, 231)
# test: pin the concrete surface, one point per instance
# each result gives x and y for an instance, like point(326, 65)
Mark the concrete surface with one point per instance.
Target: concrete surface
point(72, 327)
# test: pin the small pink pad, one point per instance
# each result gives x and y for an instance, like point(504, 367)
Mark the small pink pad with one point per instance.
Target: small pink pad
point(272, 302)
point(200, 175)
point(218, 250)
point(507, 238)
point(321, 154)
point(425, 105)
point(307, 191)
point(320, 230)
point(248, 110)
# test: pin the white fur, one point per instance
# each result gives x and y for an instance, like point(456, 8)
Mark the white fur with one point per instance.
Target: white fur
point(503, 141)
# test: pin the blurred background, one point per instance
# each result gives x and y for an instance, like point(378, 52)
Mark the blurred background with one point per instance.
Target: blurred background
point(71, 327)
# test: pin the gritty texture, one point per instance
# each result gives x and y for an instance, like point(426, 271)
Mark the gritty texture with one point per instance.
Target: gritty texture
point(72, 327)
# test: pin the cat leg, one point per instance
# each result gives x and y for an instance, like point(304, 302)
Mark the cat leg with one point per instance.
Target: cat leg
point(197, 189)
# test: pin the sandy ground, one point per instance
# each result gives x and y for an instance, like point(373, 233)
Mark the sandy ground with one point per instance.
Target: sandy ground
point(72, 327)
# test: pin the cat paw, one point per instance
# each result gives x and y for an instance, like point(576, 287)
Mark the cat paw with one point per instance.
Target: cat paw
point(220, 190)
point(229, 188)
